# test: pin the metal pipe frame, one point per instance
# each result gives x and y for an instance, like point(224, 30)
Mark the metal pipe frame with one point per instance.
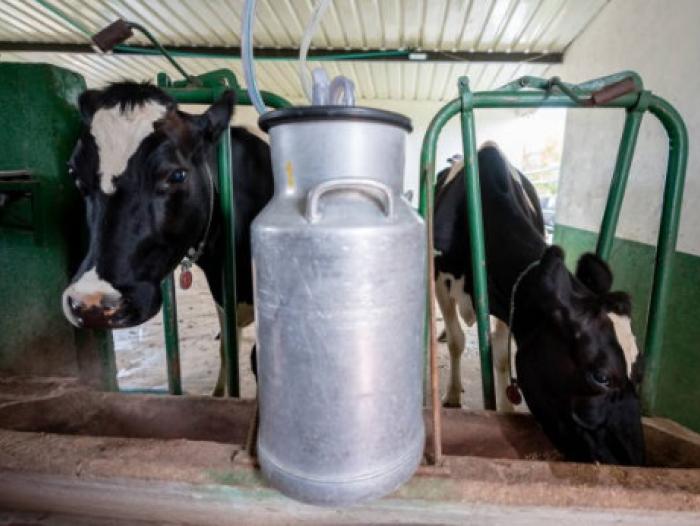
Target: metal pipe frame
point(208, 95)
point(584, 96)
point(288, 54)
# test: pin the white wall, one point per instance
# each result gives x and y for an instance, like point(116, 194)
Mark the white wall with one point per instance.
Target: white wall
point(514, 132)
point(660, 40)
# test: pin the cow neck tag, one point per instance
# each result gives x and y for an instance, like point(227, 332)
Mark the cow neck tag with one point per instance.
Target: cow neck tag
point(512, 390)
point(193, 254)
point(513, 393)
point(185, 274)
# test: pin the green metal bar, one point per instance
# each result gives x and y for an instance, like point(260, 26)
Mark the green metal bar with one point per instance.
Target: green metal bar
point(172, 339)
point(427, 154)
point(172, 342)
point(476, 243)
point(271, 100)
point(144, 390)
point(666, 244)
point(601, 82)
point(575, 90)
point(195, 95)
point(541, 99)
point(618, 184)
point(425, 208)
point(229, 330)
point(209, 95)
point(161, 49)
point(138, 50)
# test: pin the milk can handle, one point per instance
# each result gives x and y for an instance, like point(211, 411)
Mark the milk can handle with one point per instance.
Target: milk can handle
point(344, 185)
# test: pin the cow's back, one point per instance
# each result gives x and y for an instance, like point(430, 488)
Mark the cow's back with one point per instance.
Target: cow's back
point(512, 217)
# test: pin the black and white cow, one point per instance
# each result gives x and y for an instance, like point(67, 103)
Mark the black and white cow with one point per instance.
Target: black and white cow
point(574, 342)
point(146, 172)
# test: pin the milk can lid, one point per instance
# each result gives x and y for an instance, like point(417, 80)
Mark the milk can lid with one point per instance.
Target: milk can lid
point(322, 113)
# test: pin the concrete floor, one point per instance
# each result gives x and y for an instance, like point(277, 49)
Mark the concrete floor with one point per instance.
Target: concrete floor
point(140, 351)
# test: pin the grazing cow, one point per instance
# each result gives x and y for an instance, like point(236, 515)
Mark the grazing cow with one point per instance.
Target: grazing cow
point(575, 345)
point(146, 173)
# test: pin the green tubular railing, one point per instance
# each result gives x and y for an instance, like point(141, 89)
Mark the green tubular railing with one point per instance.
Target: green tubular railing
point(209, 89)
point(622, 90)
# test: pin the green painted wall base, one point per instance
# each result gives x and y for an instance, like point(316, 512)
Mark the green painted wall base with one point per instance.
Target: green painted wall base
point(42, 233)
point(678, 392)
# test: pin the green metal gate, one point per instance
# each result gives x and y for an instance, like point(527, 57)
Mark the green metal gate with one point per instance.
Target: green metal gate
point(623, 91)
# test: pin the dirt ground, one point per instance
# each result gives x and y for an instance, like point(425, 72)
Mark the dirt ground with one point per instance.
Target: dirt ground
point(140, 351)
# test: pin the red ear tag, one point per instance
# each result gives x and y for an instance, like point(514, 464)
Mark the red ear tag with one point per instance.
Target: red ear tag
point(513, 394)
point(185, 279)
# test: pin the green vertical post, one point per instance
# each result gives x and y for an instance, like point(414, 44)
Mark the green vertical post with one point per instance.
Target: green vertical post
point(476, 241)
point(169, 313)
point(666, 244)
point(425, 208)
point(172, 342)
point(229, 332)
point(618, 184)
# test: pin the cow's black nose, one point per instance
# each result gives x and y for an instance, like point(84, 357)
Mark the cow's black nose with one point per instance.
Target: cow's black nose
point(94, 310)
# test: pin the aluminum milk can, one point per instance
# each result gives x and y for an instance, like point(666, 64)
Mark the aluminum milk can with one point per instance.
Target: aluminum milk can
point(340, 285)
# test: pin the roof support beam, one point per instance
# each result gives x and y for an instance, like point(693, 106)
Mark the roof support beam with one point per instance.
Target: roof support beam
point(293, 53)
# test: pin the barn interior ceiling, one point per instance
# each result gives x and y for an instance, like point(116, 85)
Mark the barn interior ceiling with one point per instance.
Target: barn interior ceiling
point(392, 49)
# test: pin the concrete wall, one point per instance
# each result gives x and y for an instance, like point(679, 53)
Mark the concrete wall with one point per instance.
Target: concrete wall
point(658, 39)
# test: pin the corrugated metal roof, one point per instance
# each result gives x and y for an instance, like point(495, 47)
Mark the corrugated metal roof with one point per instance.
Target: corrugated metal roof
point(448, 25)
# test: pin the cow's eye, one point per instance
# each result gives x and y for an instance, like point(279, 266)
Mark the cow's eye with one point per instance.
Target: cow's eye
point(177, 176)
point(601, 378)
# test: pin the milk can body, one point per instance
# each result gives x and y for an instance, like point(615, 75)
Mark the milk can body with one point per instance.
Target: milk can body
point(340, 285)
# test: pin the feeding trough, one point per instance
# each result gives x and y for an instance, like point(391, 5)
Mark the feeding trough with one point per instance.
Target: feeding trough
point(73, 451)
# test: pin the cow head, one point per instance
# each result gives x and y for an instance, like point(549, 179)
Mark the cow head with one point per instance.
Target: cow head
point(571, 366)
point(142, 168)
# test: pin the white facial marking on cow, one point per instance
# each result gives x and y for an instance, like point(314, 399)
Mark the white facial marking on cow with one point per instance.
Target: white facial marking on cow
point(88, 289)
point(118, 135)
point(625, 337)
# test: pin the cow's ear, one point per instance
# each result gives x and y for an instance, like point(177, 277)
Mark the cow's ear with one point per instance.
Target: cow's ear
point(554, 285)
point(217, 118)
point(88, 103)
point(594, 273)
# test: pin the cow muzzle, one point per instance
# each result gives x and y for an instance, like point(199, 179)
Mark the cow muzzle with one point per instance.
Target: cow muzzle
point(93, 311)
point(93, 303)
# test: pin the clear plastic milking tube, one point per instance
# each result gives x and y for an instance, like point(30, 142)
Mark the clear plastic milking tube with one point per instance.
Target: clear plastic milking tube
point(311, 27)
point(247, 56)
point(316, 86)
